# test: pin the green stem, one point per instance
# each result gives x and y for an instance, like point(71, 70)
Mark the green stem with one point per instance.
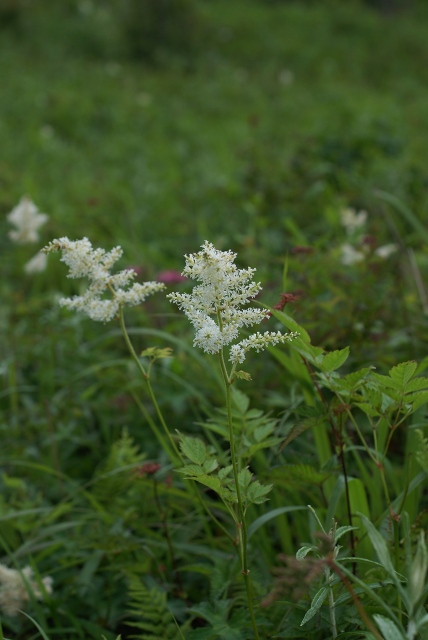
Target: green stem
point(168, 445)
point(175, 456)
point(241, 524)
point(331, 603)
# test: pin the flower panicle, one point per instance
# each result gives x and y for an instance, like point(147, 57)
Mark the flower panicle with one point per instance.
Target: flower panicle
point(27, 220)
point(95, 264)
point(14, 588)
point(215, 305)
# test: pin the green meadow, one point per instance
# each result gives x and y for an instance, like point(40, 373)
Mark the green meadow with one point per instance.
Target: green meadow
point(149, 487)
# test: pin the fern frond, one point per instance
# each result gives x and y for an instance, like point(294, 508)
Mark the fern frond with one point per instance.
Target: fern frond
point(150, 612)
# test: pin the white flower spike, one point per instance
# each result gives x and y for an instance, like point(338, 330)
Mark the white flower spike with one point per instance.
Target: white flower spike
point(224, 289)
point(14, 589)
point(26, 219)
point(95, 264)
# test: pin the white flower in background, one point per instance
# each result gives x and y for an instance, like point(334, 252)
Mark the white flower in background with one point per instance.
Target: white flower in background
point(26, 219)
point(386, 250)
point(221, 294)
point(350, 255)
point(95, 264)
point(37, 264)
point(15, 586)
point(352, 221)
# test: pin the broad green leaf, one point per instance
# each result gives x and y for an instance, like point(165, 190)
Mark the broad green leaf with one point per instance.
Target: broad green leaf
point(222, 473)
point(368, 409)
point(417, 384)
point(194, 449)
point(209, 481)
point(244, 478)
point(334, 360)
point(388, 628)
point(191, 470)
point(416, 399)
point(354, 380)
point(210, 465)
point(384, 382)
point(403, 372)
point(260, 433)
point(256, 492)
point(316, 605)
point(240, 400)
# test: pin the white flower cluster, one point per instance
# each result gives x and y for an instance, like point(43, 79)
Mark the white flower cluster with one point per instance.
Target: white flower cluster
point(222, 292)
point(352, 221)
point(14, 590)
point(26, 219)
point(95, 264)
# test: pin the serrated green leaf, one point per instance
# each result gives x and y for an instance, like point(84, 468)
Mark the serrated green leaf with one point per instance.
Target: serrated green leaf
point(417, 384)
point(210, 465)
point(256, 492)
point(403, 372)
point(212, 482)
point(194, 449)
point(368, 409)
point(242, 375)
point(264, 430)
point(388, 628)
point(316, 605)
point(191, 470)
point(223, 473)
point(244, 478)
point(417, 399)
point(384, 382)
point(240, 401)
point(157, 353)
point(354, 380)
point(334, 360)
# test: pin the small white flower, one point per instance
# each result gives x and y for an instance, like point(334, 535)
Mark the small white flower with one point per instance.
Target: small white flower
point(352, 220)
point(224, 289)
point(95, 264)
point(386, 250)
point(26, 219)
point(14, 590)
point(37, 263)
point(350, 255)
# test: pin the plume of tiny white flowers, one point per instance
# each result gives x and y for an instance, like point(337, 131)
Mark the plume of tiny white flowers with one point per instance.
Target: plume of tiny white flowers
point(14, 589)
point(36, 264)
point(352, 220)
point(224, 289)
point(26, 219)
point(350, 255)
point(95, 264)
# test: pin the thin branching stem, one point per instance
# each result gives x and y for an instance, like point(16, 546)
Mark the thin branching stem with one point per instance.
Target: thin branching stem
point(241, 524)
